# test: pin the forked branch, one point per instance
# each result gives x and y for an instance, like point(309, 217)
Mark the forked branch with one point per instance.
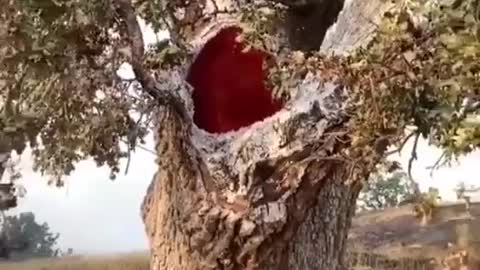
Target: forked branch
point(135, 37)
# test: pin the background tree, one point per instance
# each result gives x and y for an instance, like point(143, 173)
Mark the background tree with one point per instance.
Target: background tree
point(464, 192)
point(385, 189)
point(278, 194)
point(34, 240)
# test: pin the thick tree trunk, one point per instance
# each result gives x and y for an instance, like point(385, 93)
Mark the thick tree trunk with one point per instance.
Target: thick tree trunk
point(191, 225)
point(186, 241)
point(273, 196)
point(320, 242)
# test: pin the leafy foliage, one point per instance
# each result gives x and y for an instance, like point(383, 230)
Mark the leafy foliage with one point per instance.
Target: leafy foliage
point(441, 71)
point(419, 70)
point(59, 84)
point(58, 81)
point(421, 76)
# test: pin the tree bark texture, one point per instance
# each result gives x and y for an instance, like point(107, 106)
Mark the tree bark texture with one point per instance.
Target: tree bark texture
point(272, 196)
point(239, 209)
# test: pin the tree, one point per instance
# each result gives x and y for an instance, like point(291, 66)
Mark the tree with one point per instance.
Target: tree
point(271, 188)
point(463, 193)
point(384, 190)
point(33, 239)
point(8, 198)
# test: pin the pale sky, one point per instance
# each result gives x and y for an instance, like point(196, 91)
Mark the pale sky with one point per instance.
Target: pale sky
point(445, 178)
point(92, 213)
point(95, 215)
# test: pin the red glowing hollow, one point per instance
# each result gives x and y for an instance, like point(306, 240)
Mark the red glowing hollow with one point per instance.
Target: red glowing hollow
point(229, 91)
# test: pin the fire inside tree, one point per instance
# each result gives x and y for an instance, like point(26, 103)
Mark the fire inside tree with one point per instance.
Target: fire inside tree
point(228, 80)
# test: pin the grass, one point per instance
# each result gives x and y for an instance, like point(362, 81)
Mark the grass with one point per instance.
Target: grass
point(134, 261)
point(140, 261)
point(368, 261)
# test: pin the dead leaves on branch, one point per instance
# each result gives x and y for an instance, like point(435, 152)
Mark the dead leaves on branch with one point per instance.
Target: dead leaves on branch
point(412, 74)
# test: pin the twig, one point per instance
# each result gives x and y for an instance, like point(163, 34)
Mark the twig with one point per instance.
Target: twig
point(402, 145)
point(436, 164)
point(129, 157)
point(132, 139)
point(143, 148)
point(413, 155)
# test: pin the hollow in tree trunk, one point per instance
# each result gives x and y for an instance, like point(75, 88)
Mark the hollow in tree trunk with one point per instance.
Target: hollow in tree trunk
point(245, 181)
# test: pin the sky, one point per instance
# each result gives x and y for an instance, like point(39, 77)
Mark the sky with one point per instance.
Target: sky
point(95, 215)
point(92, 213)
point(445, 178)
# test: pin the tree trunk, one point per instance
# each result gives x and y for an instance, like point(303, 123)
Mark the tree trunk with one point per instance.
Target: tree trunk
point(310, 239)
point(194, 223)
point(272, 196)
point(320, 242)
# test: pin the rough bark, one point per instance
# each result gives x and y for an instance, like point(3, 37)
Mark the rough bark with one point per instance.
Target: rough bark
point(355, 25)
point(186, 242)
point(273, 195)
point(325, 229)
point(240, 206)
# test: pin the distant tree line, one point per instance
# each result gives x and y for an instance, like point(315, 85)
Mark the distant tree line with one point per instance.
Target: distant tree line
point(391, 188)
point(386, 188)
point(22, 238)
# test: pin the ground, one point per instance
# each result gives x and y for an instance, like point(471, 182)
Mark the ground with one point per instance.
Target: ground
point(129, 262)
point(393, 238)
point(133, 261)
point(397, 233)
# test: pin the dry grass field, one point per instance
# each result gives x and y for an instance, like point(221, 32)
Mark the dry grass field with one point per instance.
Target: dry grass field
point(401, 243)
point(134, 261)
point(139, 261)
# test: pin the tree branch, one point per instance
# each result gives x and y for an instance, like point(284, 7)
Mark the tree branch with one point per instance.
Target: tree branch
point(437, 164)
point(402, 144)
point(135, 36)
point(413, 157)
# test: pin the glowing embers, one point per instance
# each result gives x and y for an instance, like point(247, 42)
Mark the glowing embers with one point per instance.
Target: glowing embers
point(229, 91)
